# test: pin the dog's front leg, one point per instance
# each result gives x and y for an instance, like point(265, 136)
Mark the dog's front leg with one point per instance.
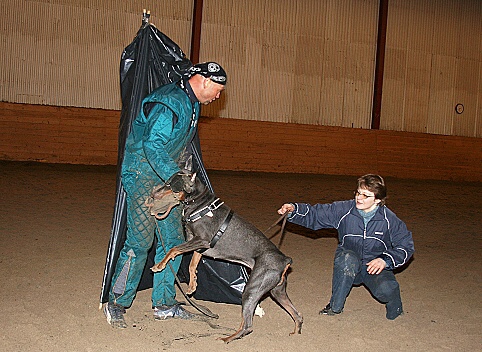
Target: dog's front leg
point(196, 257)
point(173, 253)
point(192, 245)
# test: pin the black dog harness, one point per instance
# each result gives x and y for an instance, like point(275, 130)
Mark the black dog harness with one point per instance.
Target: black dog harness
point(221, 230)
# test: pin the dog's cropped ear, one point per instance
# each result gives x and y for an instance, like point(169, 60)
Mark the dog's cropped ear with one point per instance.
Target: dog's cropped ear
point(189, 182)
point(188, 164)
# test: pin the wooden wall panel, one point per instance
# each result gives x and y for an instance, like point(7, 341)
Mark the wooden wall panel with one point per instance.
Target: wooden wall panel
point(279, 147)
point(432, 63)
point(394, 90)
point(58, 134)
point(441, 104)
point(429, 156)
point(67, 52)
point(89, 136)
point(445, 42)
point(469, 29)
point(304, 61)
point(417, 92)
point(466, 85)
point(478, 122)
point(332, 93)
point(294, 61)
point(420, 27)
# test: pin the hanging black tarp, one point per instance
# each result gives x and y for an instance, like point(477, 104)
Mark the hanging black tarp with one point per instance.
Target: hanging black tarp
point(150, 61)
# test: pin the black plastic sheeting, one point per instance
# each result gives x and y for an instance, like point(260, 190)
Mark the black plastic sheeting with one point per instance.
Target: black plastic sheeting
point(150, 61)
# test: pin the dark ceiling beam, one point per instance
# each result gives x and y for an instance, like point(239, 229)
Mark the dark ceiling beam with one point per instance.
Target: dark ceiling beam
point(379, 64)
point(197, 15)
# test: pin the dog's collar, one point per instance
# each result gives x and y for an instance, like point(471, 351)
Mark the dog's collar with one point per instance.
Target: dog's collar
point(207, 210)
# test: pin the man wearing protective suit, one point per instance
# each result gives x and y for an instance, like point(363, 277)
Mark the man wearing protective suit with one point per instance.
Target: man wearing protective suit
point(155, 148)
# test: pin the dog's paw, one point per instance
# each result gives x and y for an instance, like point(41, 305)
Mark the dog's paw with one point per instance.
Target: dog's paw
point(259, 311)
point(158, 267)
point(191, 289)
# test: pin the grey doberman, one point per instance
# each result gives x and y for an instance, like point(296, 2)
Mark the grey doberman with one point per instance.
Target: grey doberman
point(214, 230)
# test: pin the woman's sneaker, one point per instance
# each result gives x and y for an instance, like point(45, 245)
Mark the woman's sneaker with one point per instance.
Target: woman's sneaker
point(328, 311)
point(115, 315)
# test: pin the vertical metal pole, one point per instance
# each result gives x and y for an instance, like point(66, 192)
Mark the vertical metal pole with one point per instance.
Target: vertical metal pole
point(196, 30)
point(379, 64)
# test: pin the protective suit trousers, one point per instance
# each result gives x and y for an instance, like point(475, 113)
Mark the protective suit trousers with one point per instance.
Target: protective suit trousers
point(348, 270)
point(141, 229)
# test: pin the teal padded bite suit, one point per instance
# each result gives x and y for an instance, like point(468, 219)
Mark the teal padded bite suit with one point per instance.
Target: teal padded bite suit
point(154, 148)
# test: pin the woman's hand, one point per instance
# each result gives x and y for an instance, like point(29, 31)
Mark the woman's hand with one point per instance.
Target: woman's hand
point(376, 266)
point(286, 208)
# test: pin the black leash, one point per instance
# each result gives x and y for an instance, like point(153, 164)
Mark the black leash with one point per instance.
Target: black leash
point(282, 229)
point(202, 309)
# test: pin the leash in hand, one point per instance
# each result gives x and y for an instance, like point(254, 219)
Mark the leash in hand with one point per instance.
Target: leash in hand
point(282, 230)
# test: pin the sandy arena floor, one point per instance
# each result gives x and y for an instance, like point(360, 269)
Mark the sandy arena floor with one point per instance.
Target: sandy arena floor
point(55, 227)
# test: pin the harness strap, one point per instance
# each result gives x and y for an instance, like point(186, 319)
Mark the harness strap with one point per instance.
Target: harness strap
point(205, 211)
point(221, 230)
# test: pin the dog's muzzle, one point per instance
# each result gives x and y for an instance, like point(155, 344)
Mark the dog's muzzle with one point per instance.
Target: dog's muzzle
point(161, 202)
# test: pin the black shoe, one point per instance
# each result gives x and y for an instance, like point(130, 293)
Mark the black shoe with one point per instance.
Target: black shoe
point(176, 311)
point(391, 315)
point(115, 315)
point(328, 311)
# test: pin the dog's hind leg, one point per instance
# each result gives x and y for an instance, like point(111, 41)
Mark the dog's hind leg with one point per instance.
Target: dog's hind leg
point(196, 257)
point(279, 294)
point(246, 327)
point(260, 282)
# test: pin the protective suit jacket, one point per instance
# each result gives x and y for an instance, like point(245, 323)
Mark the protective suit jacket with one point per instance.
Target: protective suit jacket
point(385, 235)
point(155, 144)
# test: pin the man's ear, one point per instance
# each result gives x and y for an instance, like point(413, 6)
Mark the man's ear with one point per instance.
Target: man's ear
point(206, 82)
